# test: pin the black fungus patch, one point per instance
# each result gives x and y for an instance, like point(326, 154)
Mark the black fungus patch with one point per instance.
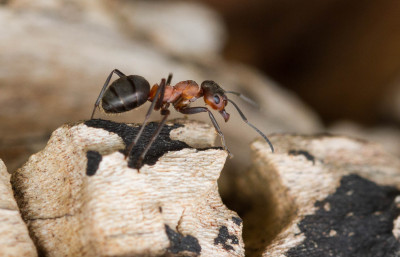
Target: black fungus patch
point(180, 243)
point(237, 220)
point(357, 220)
point(93, 160)
point(306, 154)
point(160, 146)
point(223, 237)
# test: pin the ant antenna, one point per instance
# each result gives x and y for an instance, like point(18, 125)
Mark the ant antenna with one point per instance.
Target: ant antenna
point(245, 98)
point(251, 125)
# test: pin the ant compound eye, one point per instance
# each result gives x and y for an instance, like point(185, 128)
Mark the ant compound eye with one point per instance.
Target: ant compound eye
point(216, 99)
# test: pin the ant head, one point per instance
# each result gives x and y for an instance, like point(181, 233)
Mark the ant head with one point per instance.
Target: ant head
point(215, 97)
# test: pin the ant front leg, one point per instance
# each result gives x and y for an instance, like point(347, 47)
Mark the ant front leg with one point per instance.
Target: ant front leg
point(116, 71)
point(194, 110)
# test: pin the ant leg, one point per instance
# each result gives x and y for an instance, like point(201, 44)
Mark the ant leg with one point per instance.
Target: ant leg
point(161, 98)
point(159, 90)
point(169, 79)
point(165, 113)
point(116, 71)
point(194, 110)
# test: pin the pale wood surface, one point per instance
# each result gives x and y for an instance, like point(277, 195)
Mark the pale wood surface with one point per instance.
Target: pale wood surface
point(172, 207)
point(314, 189)
point(14, 235)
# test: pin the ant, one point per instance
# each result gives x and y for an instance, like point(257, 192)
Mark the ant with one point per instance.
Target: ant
point(129, 92)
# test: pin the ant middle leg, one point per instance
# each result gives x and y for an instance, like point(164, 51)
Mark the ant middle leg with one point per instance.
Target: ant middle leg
point(159, 95)
point(169, 79)
point(116, 71)
point(160, 99)
point(165, 113)
point(194, 110)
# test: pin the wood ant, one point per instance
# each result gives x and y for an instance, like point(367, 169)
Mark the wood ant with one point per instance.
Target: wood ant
point(129, 92)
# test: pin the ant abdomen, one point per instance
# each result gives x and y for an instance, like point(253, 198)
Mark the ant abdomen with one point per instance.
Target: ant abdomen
point(125, 94)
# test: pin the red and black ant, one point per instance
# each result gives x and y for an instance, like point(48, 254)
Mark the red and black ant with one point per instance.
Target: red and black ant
point(129, 92)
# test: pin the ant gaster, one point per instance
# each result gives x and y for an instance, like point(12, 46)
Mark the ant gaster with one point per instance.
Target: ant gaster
point(129, 92)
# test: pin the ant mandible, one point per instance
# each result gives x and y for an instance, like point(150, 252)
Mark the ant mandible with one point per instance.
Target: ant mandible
point(129, 92)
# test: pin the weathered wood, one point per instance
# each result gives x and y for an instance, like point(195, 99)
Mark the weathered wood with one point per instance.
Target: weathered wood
point(14, 235)
point(323, 196)
point(80, 196)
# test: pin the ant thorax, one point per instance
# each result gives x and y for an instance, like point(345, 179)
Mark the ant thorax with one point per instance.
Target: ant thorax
point(182, 94)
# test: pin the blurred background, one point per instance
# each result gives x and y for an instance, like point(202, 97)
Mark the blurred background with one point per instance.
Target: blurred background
point(313, 66)
point(340, 57)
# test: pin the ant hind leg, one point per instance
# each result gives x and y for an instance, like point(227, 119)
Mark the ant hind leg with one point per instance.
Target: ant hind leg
point(116, 71)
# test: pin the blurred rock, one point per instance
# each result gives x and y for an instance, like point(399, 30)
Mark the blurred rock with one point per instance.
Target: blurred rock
point(81, 197)
point(321, 196)
point(169, 25)
point(56, 55)
point(388, 137)
point(390, 104)
point(14, 235)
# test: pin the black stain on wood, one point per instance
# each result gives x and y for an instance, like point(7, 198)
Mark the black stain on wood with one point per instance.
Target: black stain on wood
point(357, 220)
point(180, 243)
point(224, 237)
point(93, 160)
point(306, 154)
point(160, 146)
point(237, 220)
